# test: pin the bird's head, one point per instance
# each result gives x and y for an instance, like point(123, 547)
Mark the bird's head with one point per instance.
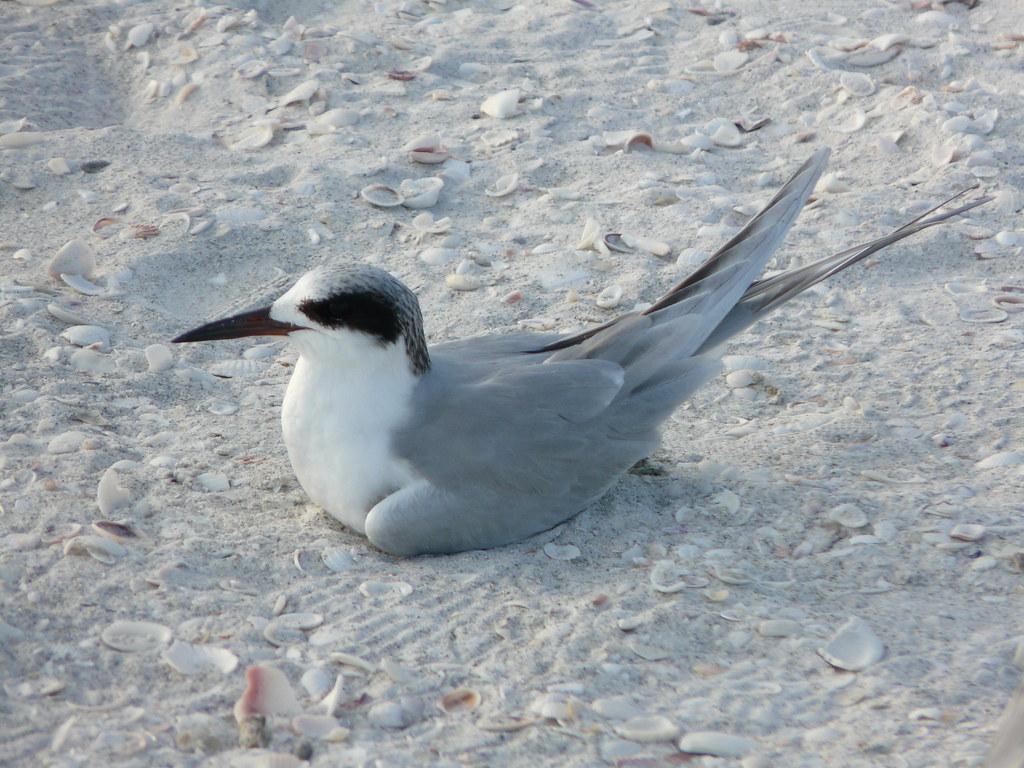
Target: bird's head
point(337, 313)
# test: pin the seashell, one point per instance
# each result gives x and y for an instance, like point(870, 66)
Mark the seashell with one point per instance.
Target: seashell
point(438, 256)
point(184, 92)
point(136, 636)
point(185, 54)
point(716, 744)
point(501, 105)
point(854, 647)
point(654, 247)
point(349, 660)
point(138, 35)
point(110, 496)
point(381, 196)
point(337, 560)
point(615, 241)
point(91, 361)
point(779, 628)
point(213, 481)
point(848, 516)
point(555, 706)
point(506, 724)
point(231, 369)
point(99, 548)
point(730, 61)
point(505, 185)
point(460, 700)
point(301, 93)
point(561, 551)
point(857, 83)
point(332, 703)
point(984, 315)
point(75, 257)
point(323, 727)
point(267, 692)
point(87, 335)
point(610, 297)
point(616, 708)
point(724, 133)
point(851, 121)
point(189, 659)
point(287, 628)
point(830, 182)
point(114, 530)
point(461, 282)
point(426, 149)
point(385, 589)
point(58, 166)
point(889, 40)
point(22, 139)
point(668, 578)
point(420, 193)
point(396, 715)
point(251, 69)
point(81, 284)
point(967, 532)
point(317, 682)
point(158, 357)
point(331, 120)
point(591, 232)
point(252, 138)
point(647, 729)
point(872, 57)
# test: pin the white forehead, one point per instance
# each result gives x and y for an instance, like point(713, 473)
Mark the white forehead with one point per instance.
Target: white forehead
point(314, 285)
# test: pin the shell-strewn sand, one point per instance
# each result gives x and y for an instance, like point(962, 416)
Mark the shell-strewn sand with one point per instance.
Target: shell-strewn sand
point(864, 456)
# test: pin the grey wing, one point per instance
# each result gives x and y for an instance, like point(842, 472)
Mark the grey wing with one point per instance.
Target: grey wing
point(513, 426)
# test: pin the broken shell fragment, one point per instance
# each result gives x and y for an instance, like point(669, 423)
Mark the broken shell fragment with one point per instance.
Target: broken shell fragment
point(189, 659)
point(99, 548)
point(501, 105)
point(75, 257)
point(505, 185)
point(110, 496)
point(267, 692)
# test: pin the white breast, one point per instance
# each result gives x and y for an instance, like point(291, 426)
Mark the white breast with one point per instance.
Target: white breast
point(338, 416)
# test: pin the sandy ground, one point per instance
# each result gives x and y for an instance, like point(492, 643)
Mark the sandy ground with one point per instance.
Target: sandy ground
point(868, 464)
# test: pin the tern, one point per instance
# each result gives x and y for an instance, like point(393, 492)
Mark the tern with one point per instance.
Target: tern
point(485, 441)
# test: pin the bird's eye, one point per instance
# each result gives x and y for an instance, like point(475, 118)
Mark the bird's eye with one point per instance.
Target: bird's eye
point(363, 311)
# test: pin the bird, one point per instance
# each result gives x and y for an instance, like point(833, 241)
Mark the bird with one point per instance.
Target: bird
point(485, 441)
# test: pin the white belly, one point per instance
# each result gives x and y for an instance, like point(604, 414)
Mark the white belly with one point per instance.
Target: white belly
point(337, 427)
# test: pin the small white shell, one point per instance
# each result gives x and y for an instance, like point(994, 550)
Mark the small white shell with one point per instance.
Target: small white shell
point(610, 297)
point(252, 138)
point(463, 282)
point(438, 256)
point(81, 284)
point(505, 185)
point(138, 35)
point(287, 629)
point(647, 728)
point(654, 247)
point(554, 706)
point(460, 700)
point(110, 496)
point(420, 193)
point(331, 120)
point(857, 83)
point(385, 589)
point(725, 134)
point(501, 105)
point(189, 659)
point(848, 516)
point(337, 559)
point(967, 532)
point(561, 551)
point(426, 150)
point(88, 335)
point(300, 93)
point(136, 636)
point(323, 727)
point(100, 548)
point(985, 315)
point(381, 196)
point(854, 647)
point(715, 743)
point(159, 358)
point(730, 61)
point(75, 257)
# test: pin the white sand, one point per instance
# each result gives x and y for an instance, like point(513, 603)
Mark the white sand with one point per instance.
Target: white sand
point(859, 379)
